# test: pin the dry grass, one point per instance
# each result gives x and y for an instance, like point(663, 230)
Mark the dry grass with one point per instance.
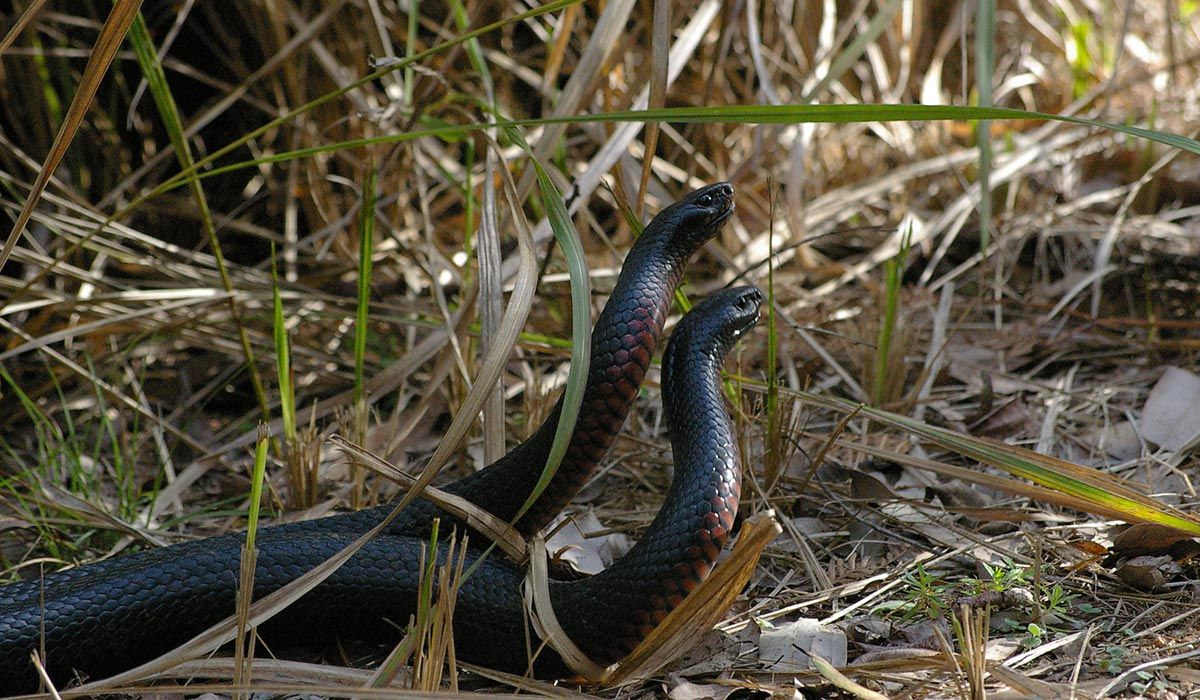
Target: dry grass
point(131, 412)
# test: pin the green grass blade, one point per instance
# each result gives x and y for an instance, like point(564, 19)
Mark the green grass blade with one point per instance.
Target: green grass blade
point(985, 60)
point(256, 483)
point(731, 114)
point(283, 362)
point(164, 101)
point(581, 317)
point(1105, 494)
point(893, 272)
point(366, 231)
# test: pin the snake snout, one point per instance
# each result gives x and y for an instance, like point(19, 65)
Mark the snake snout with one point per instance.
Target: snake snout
point(748, 305)
point(710, 206)
point(740, 309)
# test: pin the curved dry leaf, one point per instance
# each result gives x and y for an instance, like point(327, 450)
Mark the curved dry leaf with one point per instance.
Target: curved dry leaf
point(1146, 538)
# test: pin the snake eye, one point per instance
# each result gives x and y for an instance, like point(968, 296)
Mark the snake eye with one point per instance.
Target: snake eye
point(705, 200)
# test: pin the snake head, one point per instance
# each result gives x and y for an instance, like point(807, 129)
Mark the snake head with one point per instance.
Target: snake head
point(694, 219)
point(715, 324)
point(738, 309)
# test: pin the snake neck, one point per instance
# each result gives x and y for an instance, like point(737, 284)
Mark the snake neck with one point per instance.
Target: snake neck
point(682, 543)
point(623, 342)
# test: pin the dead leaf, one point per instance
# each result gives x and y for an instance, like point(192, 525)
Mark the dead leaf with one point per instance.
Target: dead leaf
point(686, 690)
point(791, 646)
point(869, 487)
point(1146, 538)
point(1171, 417)
point(1094, 549)
point(575, 544)
point(1148, 573)
point(1011, 419)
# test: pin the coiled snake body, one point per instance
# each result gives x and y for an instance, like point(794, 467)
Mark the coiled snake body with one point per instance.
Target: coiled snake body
point(102, 618)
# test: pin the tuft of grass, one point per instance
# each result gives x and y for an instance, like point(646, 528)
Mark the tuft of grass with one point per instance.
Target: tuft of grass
point(884, 385)
point(244, 641)
point(301, 447)
point(971, 631)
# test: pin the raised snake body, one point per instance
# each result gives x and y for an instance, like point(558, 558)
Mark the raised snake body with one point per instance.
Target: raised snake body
point(108, 616)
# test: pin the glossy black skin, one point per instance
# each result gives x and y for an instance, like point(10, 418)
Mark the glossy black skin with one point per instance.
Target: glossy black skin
point(112, 615)
point(623, 342)
point(620, 357)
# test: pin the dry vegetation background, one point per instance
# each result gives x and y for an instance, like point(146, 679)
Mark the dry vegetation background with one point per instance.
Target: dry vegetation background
point(129, 405)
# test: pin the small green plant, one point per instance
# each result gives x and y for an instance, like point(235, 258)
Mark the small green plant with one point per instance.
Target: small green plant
point(1035, 634)
point(1146, 682)
point(927, 595)
point(1057, 601)
point(1111, 659)
point(1001, 578)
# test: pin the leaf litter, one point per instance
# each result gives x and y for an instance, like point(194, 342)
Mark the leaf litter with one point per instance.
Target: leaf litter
point(1071, 332)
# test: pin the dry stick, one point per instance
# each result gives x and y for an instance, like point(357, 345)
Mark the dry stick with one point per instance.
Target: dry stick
point(41, 670)
point(552, 68)
point(841, 681)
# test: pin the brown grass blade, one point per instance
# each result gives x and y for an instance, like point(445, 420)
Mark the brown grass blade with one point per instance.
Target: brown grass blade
point(659, 59)
point(545, 621)
point(107, 43)
point(704, 607)
point(839, 680)
point(22, 22)
point(477, 518)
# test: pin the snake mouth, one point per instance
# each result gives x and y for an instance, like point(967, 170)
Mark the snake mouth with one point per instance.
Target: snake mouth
point(722, 215)
point(748, 309)
point(718, 199)
point(747, 323)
